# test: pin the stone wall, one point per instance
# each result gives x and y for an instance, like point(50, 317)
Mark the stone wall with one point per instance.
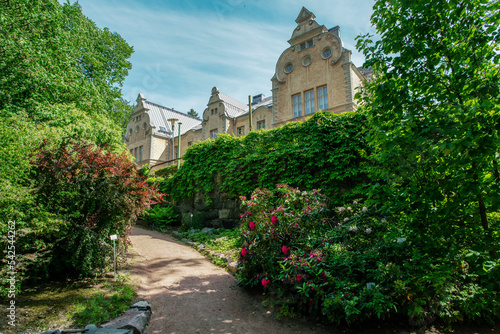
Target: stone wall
point(198, 212)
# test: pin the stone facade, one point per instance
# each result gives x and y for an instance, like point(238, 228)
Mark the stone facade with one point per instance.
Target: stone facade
point(314, 73)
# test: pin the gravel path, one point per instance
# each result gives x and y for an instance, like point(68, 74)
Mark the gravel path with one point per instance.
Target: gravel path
point(189, 294)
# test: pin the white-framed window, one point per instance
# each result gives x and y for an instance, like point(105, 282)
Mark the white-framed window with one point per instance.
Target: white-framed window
point(240, 131)
point(214, 133)
point(309, 101)
point(297, 105)
point(322, 98)
point(261, 124)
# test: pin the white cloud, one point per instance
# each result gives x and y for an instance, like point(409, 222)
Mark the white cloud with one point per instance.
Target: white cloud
point(181, 53)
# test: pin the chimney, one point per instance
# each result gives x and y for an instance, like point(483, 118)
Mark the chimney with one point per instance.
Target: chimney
point(257, 98)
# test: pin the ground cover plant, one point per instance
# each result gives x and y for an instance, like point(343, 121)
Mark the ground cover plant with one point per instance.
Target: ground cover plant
point(70, 304)
point(220, 240)
point(349, 264)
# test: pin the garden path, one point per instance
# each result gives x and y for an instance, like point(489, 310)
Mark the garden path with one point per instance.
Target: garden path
point(189, 294)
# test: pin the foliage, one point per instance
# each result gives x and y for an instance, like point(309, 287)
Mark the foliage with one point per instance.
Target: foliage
point(434, 116)
point(53, 54)
point(221, 240)
point(161, 216)
point(327, 151)
point(103, 307)
point(352, 265)
point(193, 113)
point(90, 193)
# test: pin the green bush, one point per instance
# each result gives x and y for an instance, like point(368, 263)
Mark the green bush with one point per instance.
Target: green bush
point(351, 265)
point(161, 216)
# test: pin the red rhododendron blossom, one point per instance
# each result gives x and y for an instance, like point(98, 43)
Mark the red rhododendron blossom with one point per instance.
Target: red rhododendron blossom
point(285, 249)
point(244, 252)
point(251, 225)
point(265, 282)
point(274, 219)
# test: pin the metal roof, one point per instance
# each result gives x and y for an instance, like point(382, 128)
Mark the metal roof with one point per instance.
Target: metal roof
point(159, 116)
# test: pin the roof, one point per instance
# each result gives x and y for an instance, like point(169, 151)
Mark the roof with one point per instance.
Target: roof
point(232, 106)
point(159, 116)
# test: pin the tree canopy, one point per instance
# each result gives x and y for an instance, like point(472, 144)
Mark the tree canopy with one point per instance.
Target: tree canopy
point(433, 108)
point(53, 54)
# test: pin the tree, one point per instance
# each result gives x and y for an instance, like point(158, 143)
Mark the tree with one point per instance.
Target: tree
point(434, 114)
point(193, 113)
point(52, 54)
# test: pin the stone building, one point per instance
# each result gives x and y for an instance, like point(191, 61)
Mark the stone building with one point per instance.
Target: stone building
point(314, 73)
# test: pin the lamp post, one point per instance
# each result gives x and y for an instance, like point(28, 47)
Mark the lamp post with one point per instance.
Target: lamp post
point(172, 121)
point(179, 147)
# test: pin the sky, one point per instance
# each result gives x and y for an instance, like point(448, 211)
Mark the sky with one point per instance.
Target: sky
point(183, 48)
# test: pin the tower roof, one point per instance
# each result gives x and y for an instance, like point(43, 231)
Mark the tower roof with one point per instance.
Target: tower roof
point(305, 15)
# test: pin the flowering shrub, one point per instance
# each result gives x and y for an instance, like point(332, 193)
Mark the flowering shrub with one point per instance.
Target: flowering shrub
point(348, 263)
point(90, 193)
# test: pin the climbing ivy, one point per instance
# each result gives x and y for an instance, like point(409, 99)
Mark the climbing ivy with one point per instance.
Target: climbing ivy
point(327, 151)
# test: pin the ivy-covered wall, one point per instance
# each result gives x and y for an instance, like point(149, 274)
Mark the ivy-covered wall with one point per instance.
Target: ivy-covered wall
point(328, 151)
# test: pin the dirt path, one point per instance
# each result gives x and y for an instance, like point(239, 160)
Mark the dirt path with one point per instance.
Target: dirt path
point(191, 295)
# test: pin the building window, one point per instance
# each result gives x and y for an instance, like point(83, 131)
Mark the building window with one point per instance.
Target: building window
point(144, 125)
point(176, 152)
point(130, 131)
point(297, 105)
point(135, 153)
point(288, 68)
point(306, 44)
point(137, 128)
point(213, 133)
point(309, 101)
point(163, 129)
point(326, 53)
point(322, 98)
point(261, 124)
point(140, 153)
point(240, 131)
point(132, 152)
point(190, 143)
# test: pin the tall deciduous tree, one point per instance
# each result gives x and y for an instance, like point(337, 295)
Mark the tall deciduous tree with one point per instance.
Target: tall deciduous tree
point(434, 110)
point(53, 54)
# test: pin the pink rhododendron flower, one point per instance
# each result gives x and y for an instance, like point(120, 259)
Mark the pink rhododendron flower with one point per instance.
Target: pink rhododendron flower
point(251, 225)
point(244, 252)
point(265, 282)
point(341, 209)
point(274, 219)
point(285, 249)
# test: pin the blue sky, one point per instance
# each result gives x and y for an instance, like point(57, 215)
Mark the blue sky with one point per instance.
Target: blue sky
point(184, 48)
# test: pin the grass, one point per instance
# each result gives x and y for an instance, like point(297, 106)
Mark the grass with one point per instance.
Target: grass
point(70, 304)
point(223, 241)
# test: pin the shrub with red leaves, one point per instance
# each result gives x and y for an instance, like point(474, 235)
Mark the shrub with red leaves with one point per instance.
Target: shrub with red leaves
point(95, 193)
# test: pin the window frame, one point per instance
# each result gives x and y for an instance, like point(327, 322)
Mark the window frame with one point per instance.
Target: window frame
point(322, 96)
point(309, 102)
point(297, 105)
